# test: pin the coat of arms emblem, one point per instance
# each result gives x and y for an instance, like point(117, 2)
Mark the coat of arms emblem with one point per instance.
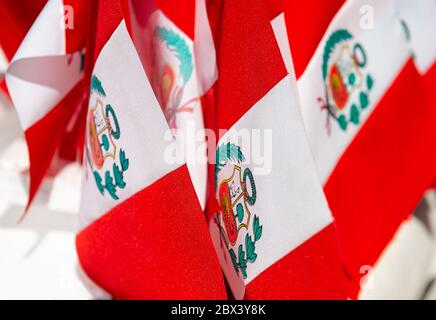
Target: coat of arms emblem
point(236, 195)
point(347, 86)
point(173, 68)
point(107, 161)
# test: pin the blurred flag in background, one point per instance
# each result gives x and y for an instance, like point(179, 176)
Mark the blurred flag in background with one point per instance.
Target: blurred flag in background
point(44, 81)
point(364, 108)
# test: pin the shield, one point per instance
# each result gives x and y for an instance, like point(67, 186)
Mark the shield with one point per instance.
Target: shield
point(233, 204)
point(337, 86)
point(344, 77)
point(100, 135)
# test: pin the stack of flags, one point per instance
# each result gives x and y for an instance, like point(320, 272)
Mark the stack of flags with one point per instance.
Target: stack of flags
point(249, 149)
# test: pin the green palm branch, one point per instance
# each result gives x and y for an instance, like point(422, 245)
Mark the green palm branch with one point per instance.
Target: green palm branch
point(176, 44)
point(96, 86)
point(225, 153)
point(336, 37)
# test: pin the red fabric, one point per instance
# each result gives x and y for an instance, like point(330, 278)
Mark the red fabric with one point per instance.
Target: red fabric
point(275, 7)
point(100, 18)
point(156, 242)
point(248, 58)
point(208, 107)
point(17, 21)
point(311, 271)
point(250, 65)
point(77, 39)
point(384, 172)
point(76, 35)
point(50, 134)
point(4, 88)
point(77, 135)
point(137, 14)
point(154, 245)
point(109, 16)
point(181, 14)
point(430, 85)
point(16, 16)
point(73, 140)
point(306, 23)
point(44, 137)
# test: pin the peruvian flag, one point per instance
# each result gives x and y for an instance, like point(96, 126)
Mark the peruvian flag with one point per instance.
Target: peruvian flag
point(143, 232)
point(175, 45)
point(44, 80)
point(420, 23)
point(272, 230)
point(16, 17)
point(365, 112)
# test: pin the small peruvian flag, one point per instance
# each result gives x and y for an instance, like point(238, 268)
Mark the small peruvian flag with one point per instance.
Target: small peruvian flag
point(44, 81)
point(273, 232)
point(364, 108)
point(144, 235)
point(16, 17)
point(175, 45)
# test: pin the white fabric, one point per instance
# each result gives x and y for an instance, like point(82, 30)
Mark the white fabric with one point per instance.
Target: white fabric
point(3, 62)
point(46, 37)
point(204, 48)
point(180, 70)
point(141, 121)
point(188, 124)
point(396, 275)
point(41, 74)
point(420, 17)
point(290, 203)
point(279, 27)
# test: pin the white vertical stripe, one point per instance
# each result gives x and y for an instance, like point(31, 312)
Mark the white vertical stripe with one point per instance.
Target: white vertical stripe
point(387, 52)
point(290, 203)
point(141, 122)
point(420, 17)
point(204, 48)
point(188, 122)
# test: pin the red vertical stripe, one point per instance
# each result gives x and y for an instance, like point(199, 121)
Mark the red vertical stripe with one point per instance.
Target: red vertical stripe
point(430, 85)
point(109, 16)
point(77, 18)
point(16, 18)
point(306, 23)
point(181, 13)
point(4, 88)
point(384, 172)
point(249, 60)
point(44, 137)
